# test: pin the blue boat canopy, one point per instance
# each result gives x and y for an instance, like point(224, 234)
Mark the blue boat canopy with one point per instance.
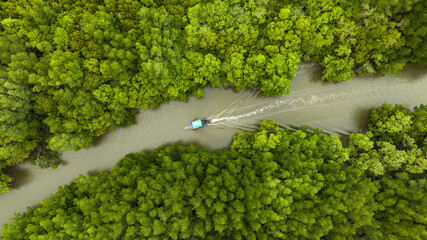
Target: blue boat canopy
point(197, 124)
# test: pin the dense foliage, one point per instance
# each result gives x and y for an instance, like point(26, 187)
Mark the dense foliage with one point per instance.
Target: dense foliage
point(271, 184)
point(394, 153)
point(396, 140)
point(72, 70)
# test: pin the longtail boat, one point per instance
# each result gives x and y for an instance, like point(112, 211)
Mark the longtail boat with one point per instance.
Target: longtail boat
point(197, 124)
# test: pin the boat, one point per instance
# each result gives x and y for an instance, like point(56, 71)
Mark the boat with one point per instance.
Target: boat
point(197, 124)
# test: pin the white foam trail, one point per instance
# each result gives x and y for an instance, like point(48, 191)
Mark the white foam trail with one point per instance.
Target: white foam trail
point(292, 103)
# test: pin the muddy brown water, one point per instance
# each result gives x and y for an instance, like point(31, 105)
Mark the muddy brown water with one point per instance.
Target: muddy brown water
point(337, 108)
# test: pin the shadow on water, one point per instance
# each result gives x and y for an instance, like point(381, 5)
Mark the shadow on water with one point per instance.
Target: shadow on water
point(93, 172)
point(20, 174)
point(362, 114)
point(62, 163)
point(413, 73)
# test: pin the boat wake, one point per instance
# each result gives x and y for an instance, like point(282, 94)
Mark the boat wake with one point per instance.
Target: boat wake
point(233, 113)
point(335, 107)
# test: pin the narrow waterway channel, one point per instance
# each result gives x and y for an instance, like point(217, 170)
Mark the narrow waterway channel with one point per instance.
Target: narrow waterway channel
point(337, 108)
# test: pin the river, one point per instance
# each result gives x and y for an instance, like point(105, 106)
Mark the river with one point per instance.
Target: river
point(337, 108)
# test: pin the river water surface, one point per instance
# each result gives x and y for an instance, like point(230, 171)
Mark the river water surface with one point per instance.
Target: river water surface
point(337, 108)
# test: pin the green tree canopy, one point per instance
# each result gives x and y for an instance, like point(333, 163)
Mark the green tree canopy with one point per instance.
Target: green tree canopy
point(393, 153)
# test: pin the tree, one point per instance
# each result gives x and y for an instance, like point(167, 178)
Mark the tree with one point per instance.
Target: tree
point(397, 163)
point(401, 208)
point(5, 181)
point(19, 126)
